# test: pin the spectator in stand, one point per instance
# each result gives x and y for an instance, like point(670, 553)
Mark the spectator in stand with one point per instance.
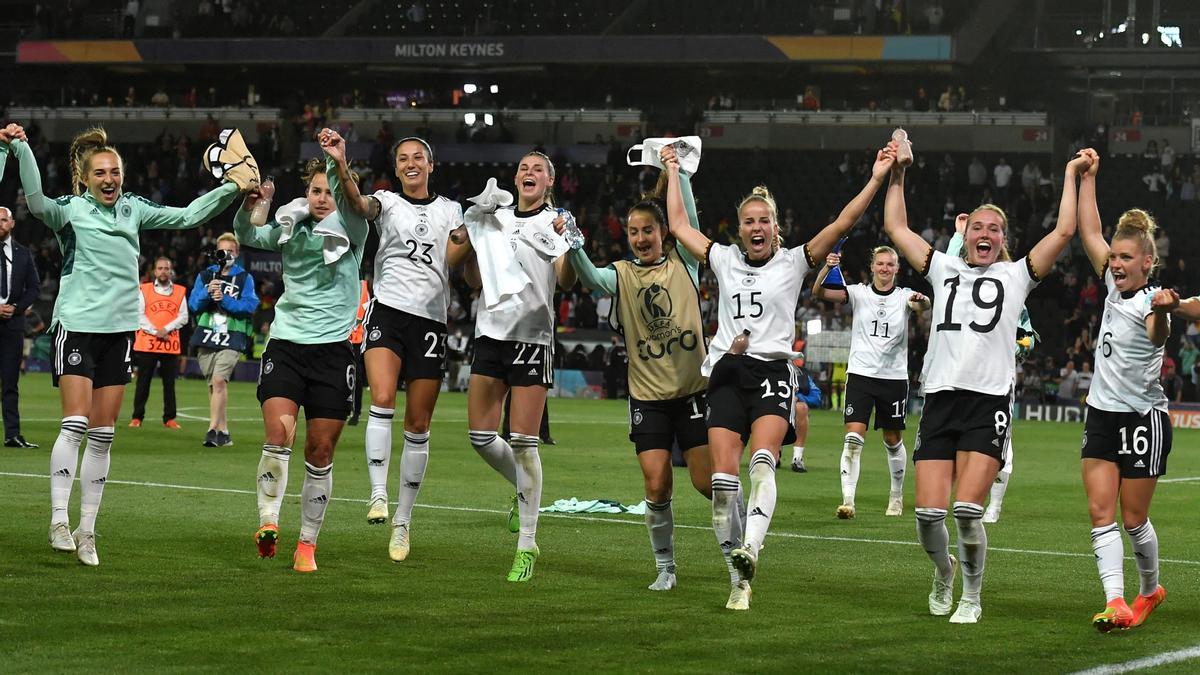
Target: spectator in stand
point(921, 102)
point(944, 101)
point(1163, 243)
point(977, 179)
point(810, 101)
point(1156, 184)
point(1068, 386)
point(1085, 380)
point(1031, 177)
point(1089, 295)
point(1002, 175)
point(1166, 158)
point(1172, 383)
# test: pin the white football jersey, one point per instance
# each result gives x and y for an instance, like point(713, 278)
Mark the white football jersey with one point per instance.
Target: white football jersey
point(410, 267)
point(879, 337)
point(1128, 365)
point(533, 319)
point(974, 323)
point(759, 297)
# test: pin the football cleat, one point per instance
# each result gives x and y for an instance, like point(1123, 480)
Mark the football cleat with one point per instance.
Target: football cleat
point(665, 581)
point(305, 558)
point(172, 424)
point(845, 512)
point(135, 423)
point(798, 465)
point(85, 548)
point(514, 516)
point(895, 506)
point(739, 596)
point(745, 561)
point(992, 514)
point(941, 598)
point(377, 512)
point(522, 567)
point(398, 546)
point(265, 539)
point(1116, 616)
point(968, 611)
point(1144, 604)
point(61, 539)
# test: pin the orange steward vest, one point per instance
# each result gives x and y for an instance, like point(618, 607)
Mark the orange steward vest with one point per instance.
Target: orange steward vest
point(161, 310)
point(356, 335)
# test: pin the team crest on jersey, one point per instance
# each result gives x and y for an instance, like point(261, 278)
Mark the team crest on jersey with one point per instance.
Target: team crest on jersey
point(421, 229)
point(126, 210)
point(375, 335)
point(749, 281)
point(881, 313)
point(543, 239)
point(74, 358)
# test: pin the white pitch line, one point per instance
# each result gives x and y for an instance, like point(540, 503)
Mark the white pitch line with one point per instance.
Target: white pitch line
point(1187, 479)
point(594, 519)
point(1163, 659)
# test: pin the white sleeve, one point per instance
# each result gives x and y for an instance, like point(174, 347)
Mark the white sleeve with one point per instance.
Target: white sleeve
point(143, 320)
point(386, 202)
point(180, 319)
point(718, 257)
point(800, 260)
point(938, 263)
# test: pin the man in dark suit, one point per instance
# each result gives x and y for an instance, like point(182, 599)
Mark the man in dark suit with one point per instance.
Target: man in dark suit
point(19, 287)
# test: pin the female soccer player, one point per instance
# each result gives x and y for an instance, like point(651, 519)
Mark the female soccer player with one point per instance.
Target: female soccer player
point(405, 324)
point(656, 308)
point(877, 373)
point(308, 361)
point(1127, 436)
point(96, 312)
point(751, 379)
point(513, 350)
point(976, 304)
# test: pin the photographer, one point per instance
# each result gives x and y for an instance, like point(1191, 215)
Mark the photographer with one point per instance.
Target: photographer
point(223, 301)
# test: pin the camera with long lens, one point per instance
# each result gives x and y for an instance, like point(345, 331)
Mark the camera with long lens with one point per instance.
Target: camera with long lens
point(219, 257)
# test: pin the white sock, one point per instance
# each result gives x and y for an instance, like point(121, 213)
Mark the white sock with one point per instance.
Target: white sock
point(1144, 541)
point(412, 472)
point(660, 523)
point(63, 460)
point(1110, 560)
point(529, 487)
point(379, 449)
point(496, 452)
point(272, 482)
point(897, 458)
point(972, 547)
point(797, 452)
point(314, 499)
point(93, 474)
point(851, 453)
point(935, 538)
point(996, 501)
point(762, 497)
point(725, 489)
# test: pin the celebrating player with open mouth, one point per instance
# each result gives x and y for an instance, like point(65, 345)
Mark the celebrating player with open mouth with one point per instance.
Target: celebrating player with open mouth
point(514, 342)
point(656, 308)
point(877, 374)
point(405, 325)
point(1127, 436)
point(308, 361)
point(976, 306)
point(96, 312)
point(751, 378)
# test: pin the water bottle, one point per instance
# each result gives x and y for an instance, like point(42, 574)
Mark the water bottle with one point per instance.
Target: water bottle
point(904, 154)
point(740, 343)
point(571, 232)
point(262, 209)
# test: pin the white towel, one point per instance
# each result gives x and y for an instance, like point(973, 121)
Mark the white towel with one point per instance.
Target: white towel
point(502, 276)
point(687, 149)
point(336, 243)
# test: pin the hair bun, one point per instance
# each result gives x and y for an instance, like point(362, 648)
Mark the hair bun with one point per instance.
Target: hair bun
point(1137, 219)
point(761, 191)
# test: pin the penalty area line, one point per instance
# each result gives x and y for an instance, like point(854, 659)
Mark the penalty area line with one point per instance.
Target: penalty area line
point(594, 519)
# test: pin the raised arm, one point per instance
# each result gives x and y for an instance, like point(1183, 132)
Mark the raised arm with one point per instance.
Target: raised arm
point(1158, 323)
point(832, 260)
point(1189, 309)
point(915, 250)
point(1046, 251)
point(1090, 230)
point(679, 222)
point(824, 240)
point(204, 208)
point(364, 206)
point(357, 227)
point(590, 276)
point(52, 212)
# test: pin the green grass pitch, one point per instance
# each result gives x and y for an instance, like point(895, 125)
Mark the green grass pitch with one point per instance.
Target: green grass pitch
point(180, 586)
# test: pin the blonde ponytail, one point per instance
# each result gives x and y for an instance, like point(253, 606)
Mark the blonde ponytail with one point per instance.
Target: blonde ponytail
point(84, 146)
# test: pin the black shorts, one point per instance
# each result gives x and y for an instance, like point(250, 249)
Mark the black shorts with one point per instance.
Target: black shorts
point(657, 425)
point(319, 378)
point(888, 398)
point(1139, 444)
point(519, 364)
point(742, 389)
point(103, 358)
point(418, 341)
point(963, 420)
